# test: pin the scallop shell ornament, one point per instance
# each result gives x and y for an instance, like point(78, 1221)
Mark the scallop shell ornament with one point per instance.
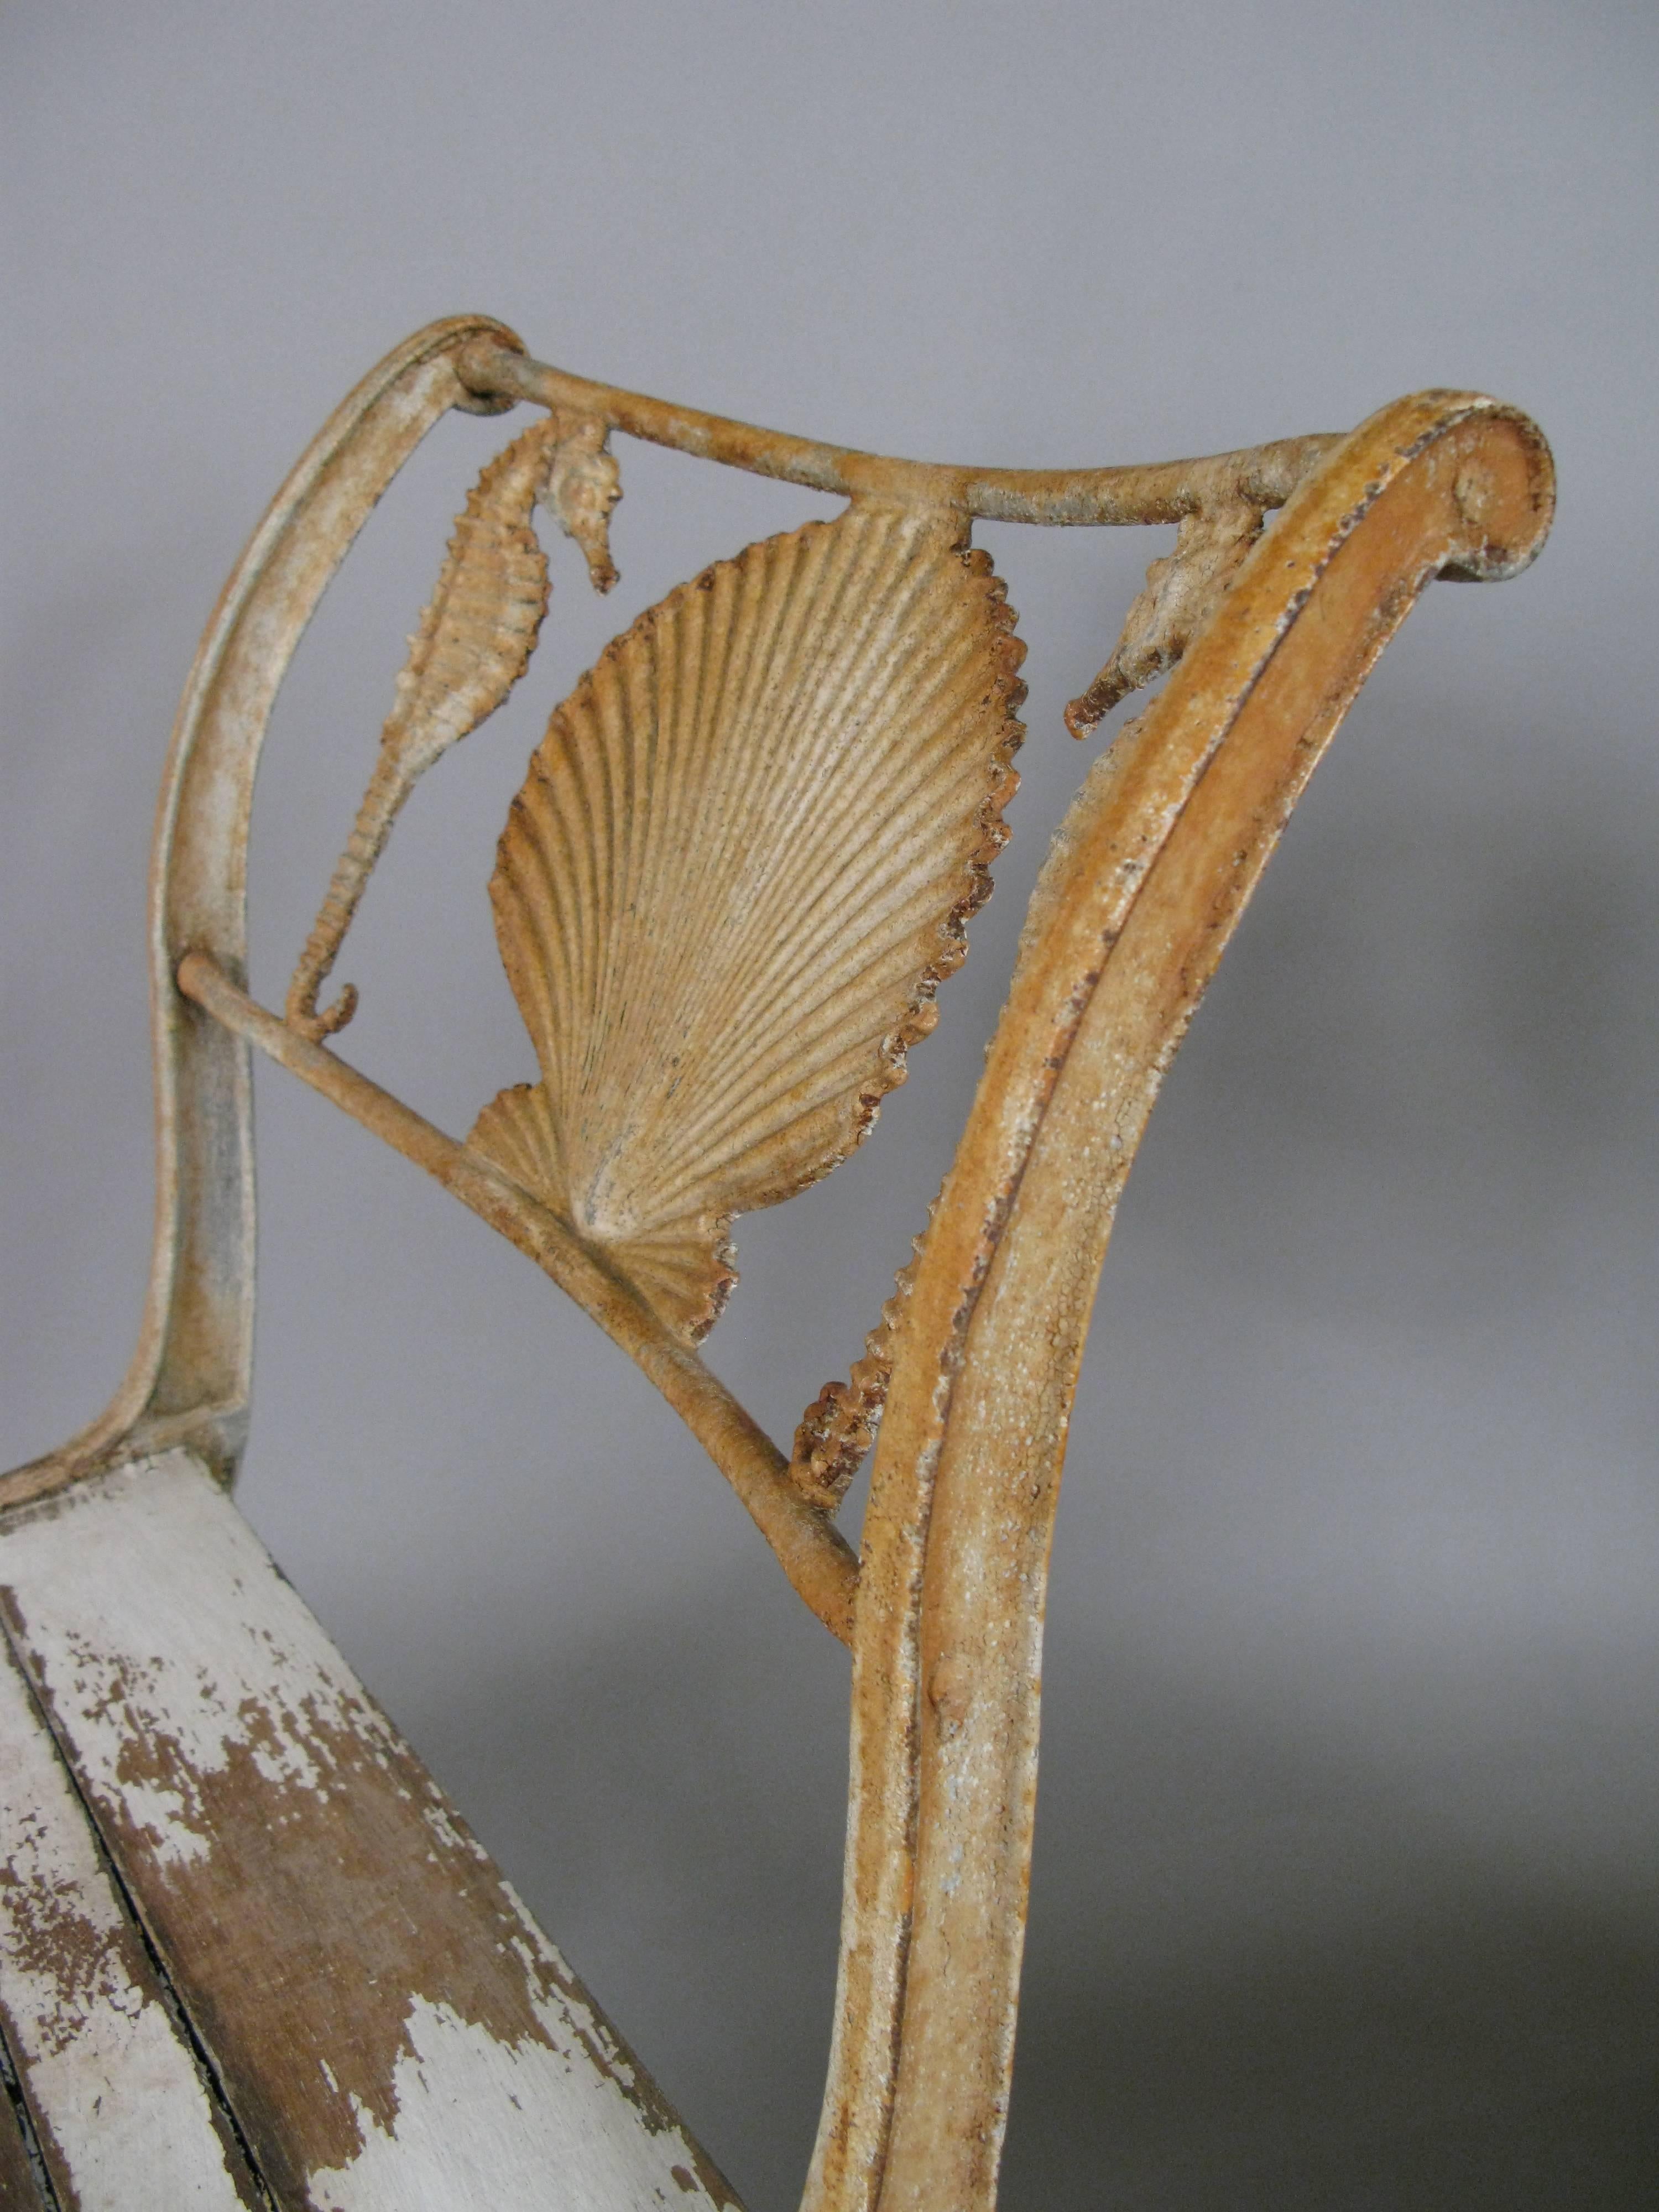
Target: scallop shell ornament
point(741, 863)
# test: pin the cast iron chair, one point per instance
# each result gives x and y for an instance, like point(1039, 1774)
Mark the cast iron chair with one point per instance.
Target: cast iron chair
point(249, 1955)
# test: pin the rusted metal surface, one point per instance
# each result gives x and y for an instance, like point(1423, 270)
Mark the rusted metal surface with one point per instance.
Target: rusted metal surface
point(471, 646)
point(1146, 882)
point(1182, 592)
point(473, 643)
point(188, 1381)
point(683, 788)
point(1159, 491)
point(391, 2030)
point(814, 1554)
point(721, 971)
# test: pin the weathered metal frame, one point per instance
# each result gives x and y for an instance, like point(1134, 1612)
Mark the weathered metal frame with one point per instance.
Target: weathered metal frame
point(1148, 878)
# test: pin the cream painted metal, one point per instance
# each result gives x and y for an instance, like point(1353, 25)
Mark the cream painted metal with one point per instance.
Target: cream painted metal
point(740, 866)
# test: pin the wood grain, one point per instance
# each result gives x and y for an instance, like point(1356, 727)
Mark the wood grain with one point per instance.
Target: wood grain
point(112, 2086)
point(392, 2031)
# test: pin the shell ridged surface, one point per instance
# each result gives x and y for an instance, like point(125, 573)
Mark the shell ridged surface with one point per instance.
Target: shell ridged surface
point(741, 862)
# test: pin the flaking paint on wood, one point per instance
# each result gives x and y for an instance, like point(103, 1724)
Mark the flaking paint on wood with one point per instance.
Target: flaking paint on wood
point(392, 2028)
point(121, 2111)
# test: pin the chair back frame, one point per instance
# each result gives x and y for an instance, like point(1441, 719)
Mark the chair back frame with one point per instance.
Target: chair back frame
point(1269, 634)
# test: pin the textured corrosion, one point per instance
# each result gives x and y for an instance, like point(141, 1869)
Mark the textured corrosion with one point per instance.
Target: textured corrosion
point(473, 643)
point(20, 2190)
point(1147, 881)
point(1158, 491)
point(1182, 592)
point(583, 485)
point(840, 1426)
point(738, 869)
point(719, 965)
point(812, 1551)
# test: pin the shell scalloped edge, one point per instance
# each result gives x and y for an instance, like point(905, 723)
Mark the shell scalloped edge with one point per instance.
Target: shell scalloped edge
point(743, 862)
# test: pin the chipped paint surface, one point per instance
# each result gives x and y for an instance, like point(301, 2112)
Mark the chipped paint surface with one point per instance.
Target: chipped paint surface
point(540, 2107)
point(113, 2090)
point(367, 1985)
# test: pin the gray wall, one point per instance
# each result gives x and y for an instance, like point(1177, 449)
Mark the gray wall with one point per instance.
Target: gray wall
point(1345, 1888)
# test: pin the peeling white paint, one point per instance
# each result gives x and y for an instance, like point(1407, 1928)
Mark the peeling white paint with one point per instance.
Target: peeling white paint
point(114, 2090)
point(541, 2126)
point(166, 1617)
point(170, 1646)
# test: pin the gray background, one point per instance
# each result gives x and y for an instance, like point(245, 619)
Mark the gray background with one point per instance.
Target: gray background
point(1346, 1886)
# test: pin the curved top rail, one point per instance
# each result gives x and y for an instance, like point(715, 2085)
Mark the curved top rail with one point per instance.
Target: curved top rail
point(1155, 491)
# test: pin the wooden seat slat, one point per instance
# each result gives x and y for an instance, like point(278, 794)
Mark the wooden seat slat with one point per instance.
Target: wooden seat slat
point(113, 2087)
point(388, 2023)
point(17, 2191)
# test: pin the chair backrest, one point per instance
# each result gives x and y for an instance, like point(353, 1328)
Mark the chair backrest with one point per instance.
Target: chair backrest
point(741, 863)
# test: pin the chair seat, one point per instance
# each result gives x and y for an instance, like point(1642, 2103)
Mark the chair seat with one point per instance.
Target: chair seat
point(245, 1933)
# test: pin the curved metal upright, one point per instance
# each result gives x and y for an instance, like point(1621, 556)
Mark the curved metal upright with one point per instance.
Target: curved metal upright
point(857, 678)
